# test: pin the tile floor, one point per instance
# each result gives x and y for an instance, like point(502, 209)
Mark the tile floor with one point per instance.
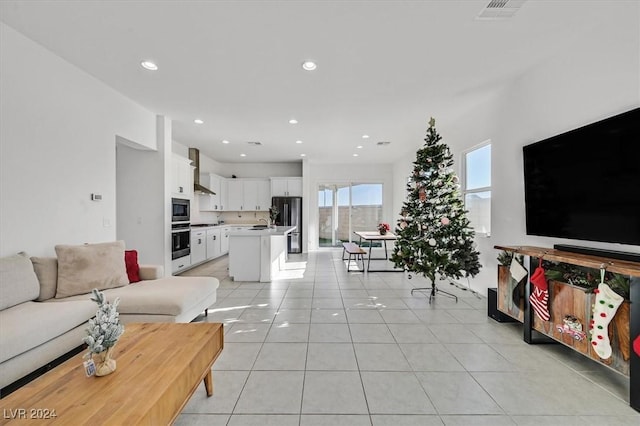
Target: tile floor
point(328, 347)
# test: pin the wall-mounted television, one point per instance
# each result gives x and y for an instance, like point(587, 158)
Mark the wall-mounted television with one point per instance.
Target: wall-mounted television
point(585, 184)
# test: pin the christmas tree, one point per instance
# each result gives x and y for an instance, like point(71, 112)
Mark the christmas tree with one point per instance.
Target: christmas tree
point(434, 236)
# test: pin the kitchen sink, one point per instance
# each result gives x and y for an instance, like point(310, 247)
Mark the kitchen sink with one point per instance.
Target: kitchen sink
point(259, 227)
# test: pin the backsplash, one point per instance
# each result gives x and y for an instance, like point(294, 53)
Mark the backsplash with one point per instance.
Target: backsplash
point(243, 217)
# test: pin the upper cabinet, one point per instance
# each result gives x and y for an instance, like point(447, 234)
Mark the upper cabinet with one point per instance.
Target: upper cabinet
point(181, 177)
point(248, 195)
point(235, 193)
point(217, 184)
point(263, 200)
point(286, 187)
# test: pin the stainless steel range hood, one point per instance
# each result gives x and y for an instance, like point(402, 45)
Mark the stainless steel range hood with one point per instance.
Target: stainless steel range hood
point(194, 156)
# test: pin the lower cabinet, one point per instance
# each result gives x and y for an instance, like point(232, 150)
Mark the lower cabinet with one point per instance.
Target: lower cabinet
point(180, 264)
point(213, 243)
point(224, 241)
point(198, 246)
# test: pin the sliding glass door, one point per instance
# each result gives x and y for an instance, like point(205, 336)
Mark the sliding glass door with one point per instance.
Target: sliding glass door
point(346, 208)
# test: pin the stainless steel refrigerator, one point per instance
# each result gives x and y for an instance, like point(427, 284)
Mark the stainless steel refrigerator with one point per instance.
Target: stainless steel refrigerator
point(290, 214)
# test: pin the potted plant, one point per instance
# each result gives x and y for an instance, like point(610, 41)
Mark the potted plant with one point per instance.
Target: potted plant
point(383, 228)
point(103, 332)
point(273, 215)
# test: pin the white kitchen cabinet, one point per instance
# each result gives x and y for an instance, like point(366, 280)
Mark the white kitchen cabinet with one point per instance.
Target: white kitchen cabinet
point(180, 264)
point(223, 194)
point(235, 192)
point(213, 243)
point(257, 195)
point(181, 177)
point(286, 187)
point(224, 241)
point(264, 195)
point(248, 195)
point(211, 202)
point(198, 246)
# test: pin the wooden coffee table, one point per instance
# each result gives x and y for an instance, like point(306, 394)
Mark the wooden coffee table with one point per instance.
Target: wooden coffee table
point(159, 367)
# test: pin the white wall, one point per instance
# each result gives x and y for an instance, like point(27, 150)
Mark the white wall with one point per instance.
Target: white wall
point(253, 170)
point(58, 146)
point(144, 196)
point(328, 173)
point(596, 78)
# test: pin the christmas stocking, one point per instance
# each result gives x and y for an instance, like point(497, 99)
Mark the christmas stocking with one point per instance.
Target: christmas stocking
point(540, 295)
point(607, 302)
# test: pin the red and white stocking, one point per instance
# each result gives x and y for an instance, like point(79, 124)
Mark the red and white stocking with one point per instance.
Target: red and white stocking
point(607, 303)
point(539, 297)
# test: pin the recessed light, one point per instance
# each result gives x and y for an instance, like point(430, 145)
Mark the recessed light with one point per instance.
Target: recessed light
point(365, 136)
point(359, 146)
point(243, 155)
point(293, 121)
point(303, 155)
point(355, 155)
point(298, 142)
point(148, 65)
point(225, 141)
point(198, 121)
point(309, 65)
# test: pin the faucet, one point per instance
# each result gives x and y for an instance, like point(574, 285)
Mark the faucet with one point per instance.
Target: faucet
point(266, 222)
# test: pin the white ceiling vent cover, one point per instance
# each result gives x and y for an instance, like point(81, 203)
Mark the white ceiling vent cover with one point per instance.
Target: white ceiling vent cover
point(256, 143)
point(383, 143)
point(500, 9)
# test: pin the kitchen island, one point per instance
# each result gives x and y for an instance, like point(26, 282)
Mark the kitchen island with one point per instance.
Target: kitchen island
point(257, 254)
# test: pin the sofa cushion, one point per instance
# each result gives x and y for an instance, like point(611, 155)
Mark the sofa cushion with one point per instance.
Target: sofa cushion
point(83, 268)
point(166, 296)
point(46, 269)
point(30, 324)
point(18, 281)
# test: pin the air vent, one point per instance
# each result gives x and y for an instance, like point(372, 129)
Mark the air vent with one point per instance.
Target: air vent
point(500, 9)
point(383, 143)
point(256, 143)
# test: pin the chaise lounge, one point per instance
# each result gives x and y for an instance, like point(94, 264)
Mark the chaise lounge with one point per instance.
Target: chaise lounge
point(45, 302)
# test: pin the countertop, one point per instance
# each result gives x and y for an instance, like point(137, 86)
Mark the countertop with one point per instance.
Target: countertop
point(278, 230)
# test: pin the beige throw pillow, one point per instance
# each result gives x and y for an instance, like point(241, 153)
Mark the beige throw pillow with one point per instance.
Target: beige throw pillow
point(47, 271)
point(83, 268)
point(18, 282)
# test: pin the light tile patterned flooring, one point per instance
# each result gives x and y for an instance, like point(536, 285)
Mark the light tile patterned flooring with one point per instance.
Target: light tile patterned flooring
point(328, 347)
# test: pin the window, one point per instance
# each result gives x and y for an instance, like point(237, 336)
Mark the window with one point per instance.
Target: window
point(345, 208)
point(477, 187)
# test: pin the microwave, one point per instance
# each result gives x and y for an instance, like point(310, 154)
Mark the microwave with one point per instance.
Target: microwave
point(180, 210)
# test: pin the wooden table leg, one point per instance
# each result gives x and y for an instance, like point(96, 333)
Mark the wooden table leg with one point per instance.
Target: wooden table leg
point(208, 383)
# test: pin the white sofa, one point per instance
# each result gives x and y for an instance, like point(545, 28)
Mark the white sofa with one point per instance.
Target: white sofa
point(36, 327)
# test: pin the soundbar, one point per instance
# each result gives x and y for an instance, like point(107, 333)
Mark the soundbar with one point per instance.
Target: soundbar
point(614, 254)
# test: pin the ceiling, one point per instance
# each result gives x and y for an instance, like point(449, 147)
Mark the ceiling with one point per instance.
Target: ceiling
point(384, 67)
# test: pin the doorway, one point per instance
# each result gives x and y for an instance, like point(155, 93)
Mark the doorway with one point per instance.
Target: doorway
point(344, 208)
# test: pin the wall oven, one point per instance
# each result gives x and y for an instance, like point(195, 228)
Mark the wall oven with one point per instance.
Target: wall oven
point(180, 240)
point(180, 210)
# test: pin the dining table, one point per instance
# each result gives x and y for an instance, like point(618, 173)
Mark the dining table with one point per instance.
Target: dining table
point(375, 236)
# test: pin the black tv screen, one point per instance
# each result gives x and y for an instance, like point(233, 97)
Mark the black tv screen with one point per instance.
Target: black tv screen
point(585, 184)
